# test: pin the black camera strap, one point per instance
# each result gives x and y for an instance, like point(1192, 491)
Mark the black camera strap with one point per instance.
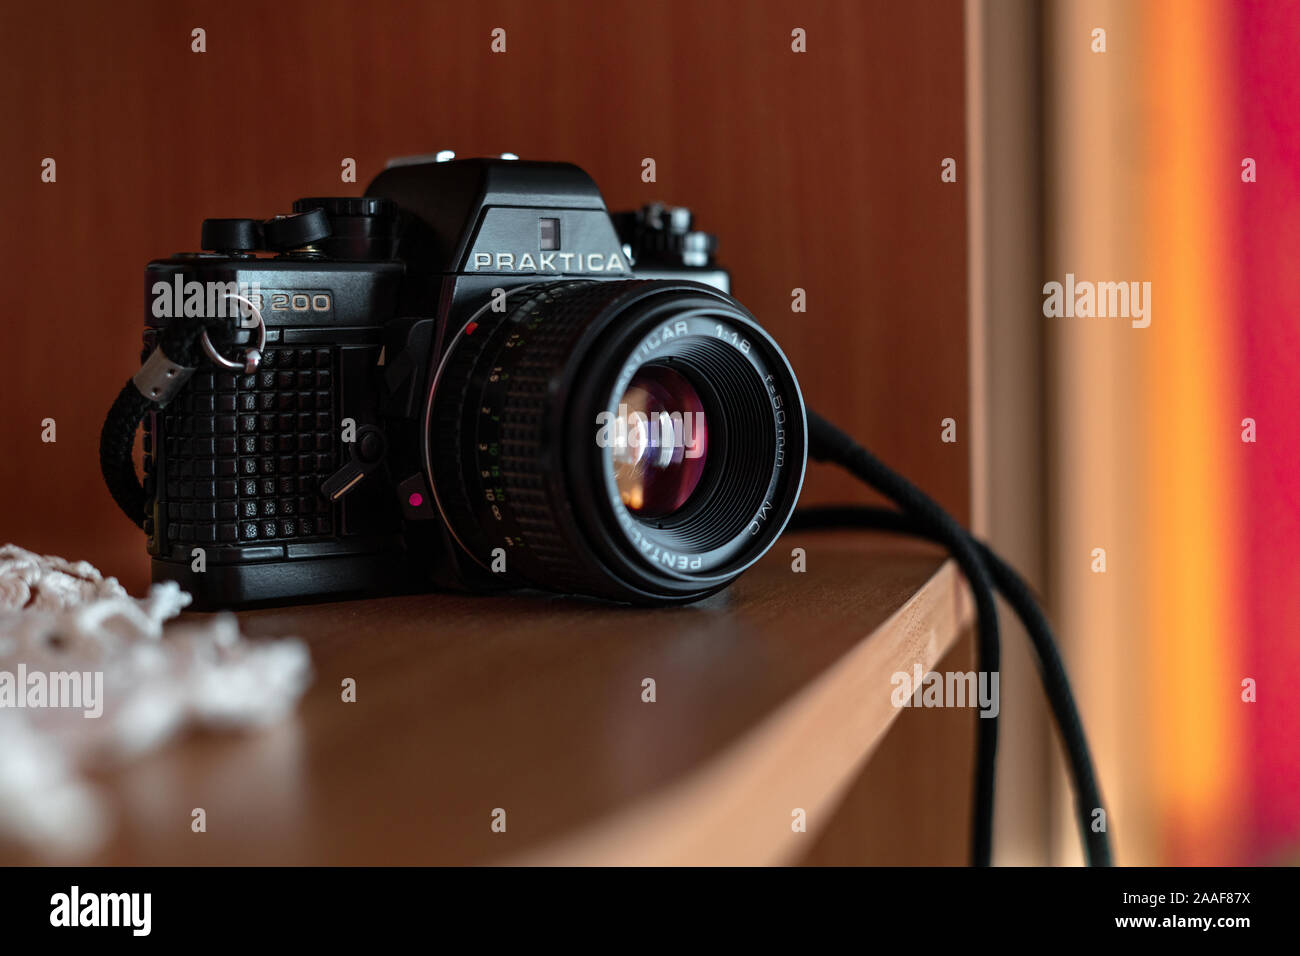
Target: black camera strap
point(181, 348)
point(922, 516)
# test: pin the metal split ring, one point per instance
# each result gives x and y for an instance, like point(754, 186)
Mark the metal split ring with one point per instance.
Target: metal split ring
point(252, 355)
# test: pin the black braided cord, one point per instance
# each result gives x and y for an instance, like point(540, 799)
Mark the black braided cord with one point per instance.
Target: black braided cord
point(115, 443)
point(1013, 587)
point(828, 443)
point(181, 342)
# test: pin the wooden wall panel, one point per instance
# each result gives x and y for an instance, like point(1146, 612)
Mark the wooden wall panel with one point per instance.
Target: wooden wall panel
point(818, 170)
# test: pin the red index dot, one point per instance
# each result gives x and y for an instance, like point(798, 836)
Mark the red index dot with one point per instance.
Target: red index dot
point(416, 499)
point(469, 329)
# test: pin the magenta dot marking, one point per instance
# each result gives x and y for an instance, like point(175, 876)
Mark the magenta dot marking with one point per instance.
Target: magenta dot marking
point(416, 499)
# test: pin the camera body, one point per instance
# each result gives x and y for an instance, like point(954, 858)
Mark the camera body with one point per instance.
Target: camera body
point(329, 469)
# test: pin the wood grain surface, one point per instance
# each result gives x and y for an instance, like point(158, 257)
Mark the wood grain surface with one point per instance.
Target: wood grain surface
point(768, 697)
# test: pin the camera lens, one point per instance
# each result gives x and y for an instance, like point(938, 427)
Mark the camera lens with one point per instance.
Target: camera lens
point(660, 443)
point(641, 440)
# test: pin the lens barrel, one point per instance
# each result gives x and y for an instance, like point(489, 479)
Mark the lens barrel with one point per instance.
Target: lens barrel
point(526, 442)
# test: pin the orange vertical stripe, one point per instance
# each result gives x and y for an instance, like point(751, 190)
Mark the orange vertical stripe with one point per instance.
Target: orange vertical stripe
point(1190, 416)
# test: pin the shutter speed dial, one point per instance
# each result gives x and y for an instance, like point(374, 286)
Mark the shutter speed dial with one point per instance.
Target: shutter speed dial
point(363, 227)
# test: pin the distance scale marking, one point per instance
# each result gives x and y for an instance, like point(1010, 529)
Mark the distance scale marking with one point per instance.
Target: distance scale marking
point(475, 326)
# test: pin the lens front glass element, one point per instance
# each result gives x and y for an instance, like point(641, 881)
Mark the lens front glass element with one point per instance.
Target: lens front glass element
point(661, 442)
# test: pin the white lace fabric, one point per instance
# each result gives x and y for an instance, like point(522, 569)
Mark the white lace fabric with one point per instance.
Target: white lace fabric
point(63, 617)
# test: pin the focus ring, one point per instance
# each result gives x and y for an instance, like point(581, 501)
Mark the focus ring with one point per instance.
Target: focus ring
point(505, 372)
point(549, 326)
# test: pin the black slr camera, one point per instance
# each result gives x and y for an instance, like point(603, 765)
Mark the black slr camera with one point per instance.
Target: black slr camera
point(471, 377)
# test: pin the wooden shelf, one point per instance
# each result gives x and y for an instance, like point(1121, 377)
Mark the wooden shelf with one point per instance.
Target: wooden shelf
point(769, 697)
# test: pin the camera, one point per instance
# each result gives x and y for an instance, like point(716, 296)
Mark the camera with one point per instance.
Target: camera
point(473, 377)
